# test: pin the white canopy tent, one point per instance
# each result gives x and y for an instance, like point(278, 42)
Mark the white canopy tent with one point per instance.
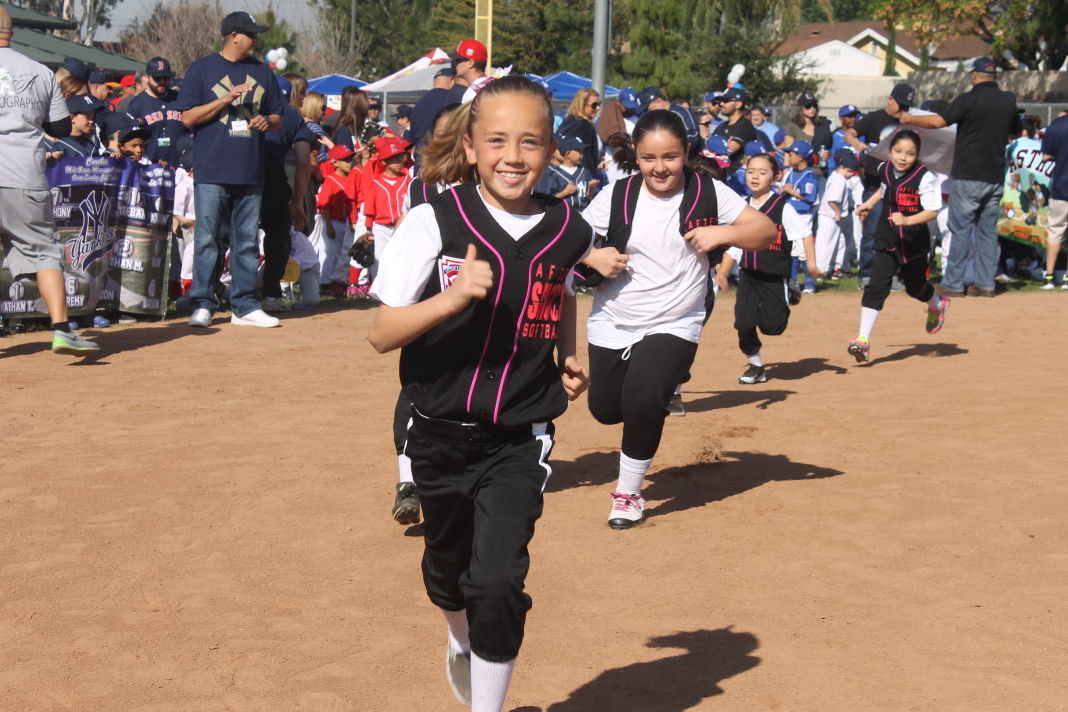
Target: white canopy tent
point(417, 76)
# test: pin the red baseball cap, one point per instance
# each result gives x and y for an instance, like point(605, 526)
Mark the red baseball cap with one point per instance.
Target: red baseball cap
point(389, 146)
point(472, 50)
point(127, 81)
point(340, 152)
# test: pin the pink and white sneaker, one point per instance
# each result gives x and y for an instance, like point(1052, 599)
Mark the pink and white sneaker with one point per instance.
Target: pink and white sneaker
point(627, 510)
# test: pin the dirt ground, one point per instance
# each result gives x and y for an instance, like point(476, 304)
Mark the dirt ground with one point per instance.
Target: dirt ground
point(199, 520)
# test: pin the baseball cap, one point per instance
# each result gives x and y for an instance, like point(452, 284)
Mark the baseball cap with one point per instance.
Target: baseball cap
point(129, 129)
point(648, 95)
point(714, 96)
point(718, 145)
point(158, 67)
point(389, 146)
point(445, 72)
point(100, 76)
point(807, 99)
point(128, 80)
point(340, 152)
point(735, 94)
point(84, 104)
point(284, 84)
point(847, 158)
point(628, 98)
point(779, 137)
point(802, 147)
point(403, 111)
point(753, 148)
point(984, 65)
point(848, 110)
point(76, 67)
point(374, 101)
point(570, 143)
point(471, 50)
point(903, 94)
point(241, 23)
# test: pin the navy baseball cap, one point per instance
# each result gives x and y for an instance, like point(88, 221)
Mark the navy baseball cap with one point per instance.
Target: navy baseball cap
point(753, 148)
point(84, 104)
point(445, 72)
point(848, 110)
point(100, 76)
point(984, 65)
point(129, 129)
point(735, 94)
point(847, 158)
point(904, 95)
point(404, 111)
point(569, 143)
point(158, 67)
point(374, 101)
point(77, 68)
point(802, 147)
point(628, 98)
point(807, 99)
point(648, 95)
point(718, 145)
point(284, 84)
point(241, 23)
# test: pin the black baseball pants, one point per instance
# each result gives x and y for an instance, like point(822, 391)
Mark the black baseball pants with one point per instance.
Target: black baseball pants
point(761, 302)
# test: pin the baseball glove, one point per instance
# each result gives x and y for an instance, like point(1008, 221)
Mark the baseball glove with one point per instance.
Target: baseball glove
point(363, 250)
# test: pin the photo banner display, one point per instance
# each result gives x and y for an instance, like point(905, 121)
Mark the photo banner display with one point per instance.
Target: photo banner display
point(113, 218)
point(1023, 215)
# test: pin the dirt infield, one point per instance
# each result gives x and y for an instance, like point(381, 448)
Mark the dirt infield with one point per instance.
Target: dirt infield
point(199, 521)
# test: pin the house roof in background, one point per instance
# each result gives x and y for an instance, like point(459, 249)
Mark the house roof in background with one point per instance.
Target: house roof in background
point(24, 17)
point(813, 34)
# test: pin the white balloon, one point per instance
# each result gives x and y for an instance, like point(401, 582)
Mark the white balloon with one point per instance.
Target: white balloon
point(272, 55)
point(281, 52)
point(280, 64)
point(736, 73)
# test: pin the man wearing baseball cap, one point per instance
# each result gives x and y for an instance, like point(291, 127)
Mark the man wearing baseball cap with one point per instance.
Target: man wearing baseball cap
point(154, 108)
point(736, 128)
point(469, 62)
point(651, 99)
point(427, 108)
point(32, 248)
point(985, 118)
point(100, 84)
point(403, 117)
point(229, 99)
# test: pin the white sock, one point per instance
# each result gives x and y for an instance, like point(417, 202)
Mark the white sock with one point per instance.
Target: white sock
point(458, 631)
point(755, 360)
point(868, 316)
point(631, 474)
point(489, 684)
point(934, 303)
point(404, 468)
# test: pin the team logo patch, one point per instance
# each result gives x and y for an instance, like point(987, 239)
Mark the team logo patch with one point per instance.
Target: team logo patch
point(448, 268)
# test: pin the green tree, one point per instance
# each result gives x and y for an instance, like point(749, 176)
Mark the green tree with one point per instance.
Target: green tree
point(279, 34)
point(1034, 33)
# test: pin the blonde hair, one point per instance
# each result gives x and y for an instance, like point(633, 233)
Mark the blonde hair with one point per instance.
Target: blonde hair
point(313, 105)
point(579, 103)
point(444, 158)
point(298, 86)
point(70, 86)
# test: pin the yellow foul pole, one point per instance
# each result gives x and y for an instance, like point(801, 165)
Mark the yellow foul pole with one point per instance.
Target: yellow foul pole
point(484, 26)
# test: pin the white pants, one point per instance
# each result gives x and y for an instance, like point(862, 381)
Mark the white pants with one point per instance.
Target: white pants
point(830, 245)
point(333, 252)
point(382, 235)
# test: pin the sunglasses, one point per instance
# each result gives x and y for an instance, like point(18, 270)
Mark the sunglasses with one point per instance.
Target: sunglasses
point(706, 123)
point(810, 106)
point(595, 105)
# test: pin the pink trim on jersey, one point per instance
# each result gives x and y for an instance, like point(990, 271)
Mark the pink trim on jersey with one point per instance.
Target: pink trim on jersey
point(496, 301)
point(626, 201)
point(526, 298)
point(696, 200)
point(897, 201)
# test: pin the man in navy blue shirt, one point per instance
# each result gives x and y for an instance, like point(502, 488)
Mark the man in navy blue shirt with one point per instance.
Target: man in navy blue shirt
point(154, 107)
point(1055, 148)
point(230, 100)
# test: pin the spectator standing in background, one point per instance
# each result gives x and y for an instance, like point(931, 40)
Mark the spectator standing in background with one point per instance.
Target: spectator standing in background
point(1055, 148)
point(154, 108)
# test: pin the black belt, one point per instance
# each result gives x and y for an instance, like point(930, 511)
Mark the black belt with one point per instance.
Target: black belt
point(469, 433)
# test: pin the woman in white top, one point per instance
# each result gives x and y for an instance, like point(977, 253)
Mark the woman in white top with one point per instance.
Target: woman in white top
point(647, 315)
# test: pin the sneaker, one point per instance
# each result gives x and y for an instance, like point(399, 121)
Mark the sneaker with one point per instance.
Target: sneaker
point(100, 322)
point(937, 317)
point(353, 291)
point(795, 293)
point(627, 510)
point(860, 349)
point(1048, 283)
point(200, 318)
point(274, 304)
point(675, 406)
point(809, 290)
point(753, 374)
point(458, 673)
point(257, 317)
point(71, 343)
point(1064, 283)
point(836, 275)
point(406, 504)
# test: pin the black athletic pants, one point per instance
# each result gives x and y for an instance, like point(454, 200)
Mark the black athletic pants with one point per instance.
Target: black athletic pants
point(761, 302)
point(633, 386)
point(276, 221)
point(402, 416)
point(481, 493)
point(884, 265)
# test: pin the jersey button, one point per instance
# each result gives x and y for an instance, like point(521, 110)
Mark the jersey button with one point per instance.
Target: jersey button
point(490, 375)
point(519, 254)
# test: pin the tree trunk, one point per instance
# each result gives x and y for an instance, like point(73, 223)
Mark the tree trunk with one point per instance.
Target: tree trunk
point(890, 67)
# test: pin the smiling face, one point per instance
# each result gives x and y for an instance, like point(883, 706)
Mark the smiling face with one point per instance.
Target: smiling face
point(757, 118)
point(661, 158)
point(903, 155)
point(509, 144)
point(82, 124)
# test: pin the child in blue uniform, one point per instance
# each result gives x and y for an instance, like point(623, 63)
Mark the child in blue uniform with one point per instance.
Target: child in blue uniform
point(475, 292)
point(801, 187)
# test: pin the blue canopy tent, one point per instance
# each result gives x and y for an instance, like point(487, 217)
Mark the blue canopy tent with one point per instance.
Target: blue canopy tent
point(333, 84)
point(564, 85)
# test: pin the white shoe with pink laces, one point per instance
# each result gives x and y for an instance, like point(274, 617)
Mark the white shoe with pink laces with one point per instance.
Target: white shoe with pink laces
point(627, 510)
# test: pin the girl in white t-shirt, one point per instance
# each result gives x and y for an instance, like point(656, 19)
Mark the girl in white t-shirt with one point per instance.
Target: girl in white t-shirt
point(647, 315)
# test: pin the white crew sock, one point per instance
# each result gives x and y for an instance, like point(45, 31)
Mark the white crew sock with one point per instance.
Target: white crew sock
point(489, 684)
point(631, 474)
point(404, 468)
point(934, 303)
point(458, 631)
point(755, 360)
point(868, 316)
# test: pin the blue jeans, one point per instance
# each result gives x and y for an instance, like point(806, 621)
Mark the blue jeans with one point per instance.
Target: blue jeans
point(243, 202)
point(973, 202)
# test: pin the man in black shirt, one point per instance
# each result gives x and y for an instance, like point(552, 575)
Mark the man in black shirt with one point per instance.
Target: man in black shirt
point(427, 108)
point(736, 129)
point(985, 117)
point(867, 134)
